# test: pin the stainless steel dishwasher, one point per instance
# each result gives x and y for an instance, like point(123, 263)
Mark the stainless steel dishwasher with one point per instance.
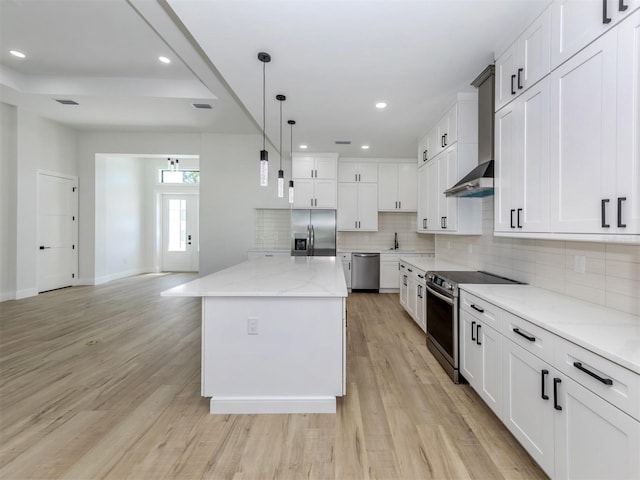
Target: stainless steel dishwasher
point(365, 272)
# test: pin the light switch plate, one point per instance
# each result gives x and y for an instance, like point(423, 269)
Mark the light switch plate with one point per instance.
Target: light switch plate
point(252, 326)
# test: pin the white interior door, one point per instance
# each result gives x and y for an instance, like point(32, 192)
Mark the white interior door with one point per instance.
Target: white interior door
point(57, 232)
point(180, 247)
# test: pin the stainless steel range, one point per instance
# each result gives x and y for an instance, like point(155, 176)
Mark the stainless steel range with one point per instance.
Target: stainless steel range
point(443, 313)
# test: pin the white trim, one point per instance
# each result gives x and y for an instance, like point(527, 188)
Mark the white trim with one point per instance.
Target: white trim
point(10, 295)
point(629, 239)
point(272, 405)
point(119, 275)
point(27, 292)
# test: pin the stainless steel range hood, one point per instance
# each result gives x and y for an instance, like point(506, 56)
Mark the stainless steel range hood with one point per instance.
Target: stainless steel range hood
point(479, 181)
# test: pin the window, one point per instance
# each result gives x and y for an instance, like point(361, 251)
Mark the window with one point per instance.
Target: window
point(190, 177)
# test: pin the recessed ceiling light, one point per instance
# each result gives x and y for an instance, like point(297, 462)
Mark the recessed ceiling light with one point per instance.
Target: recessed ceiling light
point(206, 106)
point(16, 53)
point(66, 102)
point(365, 147)
point(164, 59)
point(303, 146)
point(381, 105)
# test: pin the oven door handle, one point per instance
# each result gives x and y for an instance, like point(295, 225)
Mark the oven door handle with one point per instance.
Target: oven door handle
point(440, 296)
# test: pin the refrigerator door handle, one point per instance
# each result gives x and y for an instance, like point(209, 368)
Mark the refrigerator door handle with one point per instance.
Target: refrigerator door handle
point(312, 247)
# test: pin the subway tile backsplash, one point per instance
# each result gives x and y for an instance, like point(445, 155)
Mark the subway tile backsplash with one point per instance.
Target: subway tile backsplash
point(611, 273)
point(273, 226)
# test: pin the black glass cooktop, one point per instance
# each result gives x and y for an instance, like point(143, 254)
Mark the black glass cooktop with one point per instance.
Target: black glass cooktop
point(459, 277)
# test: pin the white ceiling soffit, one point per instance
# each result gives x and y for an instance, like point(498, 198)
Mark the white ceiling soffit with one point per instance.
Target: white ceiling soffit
point(334, 59)
point(104, 55)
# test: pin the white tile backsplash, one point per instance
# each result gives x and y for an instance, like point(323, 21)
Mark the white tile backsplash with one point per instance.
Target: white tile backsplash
point(273, 229)
point(389, 223)
point(611, 275)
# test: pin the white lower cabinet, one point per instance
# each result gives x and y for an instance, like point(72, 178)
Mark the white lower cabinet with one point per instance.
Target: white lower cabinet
point(527, 405)
point(593, 439)
point(567, 426)
point(404, 285)
point(389, 272)
point(346, 267)
point(480, 359)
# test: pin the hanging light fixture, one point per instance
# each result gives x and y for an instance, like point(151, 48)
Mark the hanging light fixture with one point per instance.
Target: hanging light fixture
point(281, 98)
point(264, 155)
point(292, 123)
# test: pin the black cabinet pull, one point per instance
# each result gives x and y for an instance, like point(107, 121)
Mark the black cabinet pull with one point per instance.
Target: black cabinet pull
point(442, 141)
point(409, 269)
point(513, 89)
point(620, 200)
point(556, 381)
point(477, 309)
point(528, 337)
point(518, 218)
point(606, 381)
point(520, 70)
point(511, 212)
point(420, 276)
point(605, 18)
point(445, 222)
point(544, 373)
point(603, 212)
point(445, 139)
point(424, 223)
point(478, 335)
point(473, 324)
point(621, 6)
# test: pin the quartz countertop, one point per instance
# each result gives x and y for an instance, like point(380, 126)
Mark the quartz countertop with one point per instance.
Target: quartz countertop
point(387, 251)
point(277, 276)
point(432, 263)
point(610, 333)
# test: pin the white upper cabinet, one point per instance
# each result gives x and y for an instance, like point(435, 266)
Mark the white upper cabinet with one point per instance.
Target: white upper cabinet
point(594, 147)
point(522, 162)
point(357, 206)
point(423, 198)
point(358, 172)
point(314, 178)
point(525, 62)
point(397, 187)
point(576, 23)
point(428, 146)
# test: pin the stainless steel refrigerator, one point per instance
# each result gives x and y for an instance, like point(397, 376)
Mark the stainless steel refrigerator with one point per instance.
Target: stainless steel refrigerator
point(313, 232)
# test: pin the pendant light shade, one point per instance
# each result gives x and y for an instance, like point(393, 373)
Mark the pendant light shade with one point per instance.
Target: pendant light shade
point(264, 155)
point(281, 98)
point(291, 193)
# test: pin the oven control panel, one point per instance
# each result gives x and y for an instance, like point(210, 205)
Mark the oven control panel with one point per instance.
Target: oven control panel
point(440, 282)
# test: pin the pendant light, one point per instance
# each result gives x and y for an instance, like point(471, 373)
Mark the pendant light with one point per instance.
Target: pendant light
point(292, 123)
point(264, 155)
point(281, 98)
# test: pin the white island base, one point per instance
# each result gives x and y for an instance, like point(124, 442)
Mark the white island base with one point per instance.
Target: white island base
point(273, 354)
point(273, 335)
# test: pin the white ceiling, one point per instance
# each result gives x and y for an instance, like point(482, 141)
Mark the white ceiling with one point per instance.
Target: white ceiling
point(333, 59)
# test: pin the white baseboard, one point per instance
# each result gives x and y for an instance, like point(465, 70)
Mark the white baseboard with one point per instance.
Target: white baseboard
point(10, 295)
point(272, 405)
point(118, 275)
point(27, 292)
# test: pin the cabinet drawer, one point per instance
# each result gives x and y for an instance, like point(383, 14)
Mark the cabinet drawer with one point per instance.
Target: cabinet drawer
point(484, 311)
point(529, 336)
point(595, 373)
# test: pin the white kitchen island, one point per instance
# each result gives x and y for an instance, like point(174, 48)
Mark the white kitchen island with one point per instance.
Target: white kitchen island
point(273, 335)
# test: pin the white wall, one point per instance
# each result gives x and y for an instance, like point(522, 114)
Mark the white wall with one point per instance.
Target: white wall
point(611, 277)
point(229, 193)
point(8, 199)
point(46, 145)
point(93, 213)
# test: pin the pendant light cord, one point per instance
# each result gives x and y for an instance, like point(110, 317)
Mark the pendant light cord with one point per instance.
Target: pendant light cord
point(264, 86)
point(281, 135)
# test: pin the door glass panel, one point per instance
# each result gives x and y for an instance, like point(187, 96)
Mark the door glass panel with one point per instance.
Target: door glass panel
point(177, 225)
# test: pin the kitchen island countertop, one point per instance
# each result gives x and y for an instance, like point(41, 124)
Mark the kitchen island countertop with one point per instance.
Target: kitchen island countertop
point(277, 276)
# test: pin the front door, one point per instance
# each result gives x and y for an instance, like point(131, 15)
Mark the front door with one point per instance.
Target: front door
point(180, 233)
point(57, 251)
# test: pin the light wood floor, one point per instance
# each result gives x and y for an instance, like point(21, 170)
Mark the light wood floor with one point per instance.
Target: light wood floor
point(104, 382)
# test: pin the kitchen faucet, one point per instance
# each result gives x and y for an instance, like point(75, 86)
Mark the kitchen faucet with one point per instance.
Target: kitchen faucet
point(395, 241)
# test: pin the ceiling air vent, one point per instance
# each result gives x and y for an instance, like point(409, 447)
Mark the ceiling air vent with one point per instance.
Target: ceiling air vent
point(343, 142)
point(67, 102)
point(202, 105)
